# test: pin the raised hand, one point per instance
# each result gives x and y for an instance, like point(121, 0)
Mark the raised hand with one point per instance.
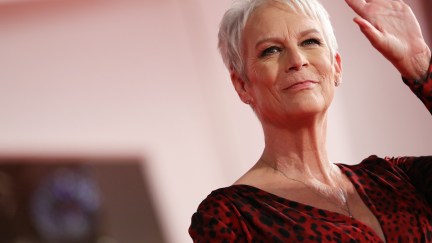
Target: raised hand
point(393, 30)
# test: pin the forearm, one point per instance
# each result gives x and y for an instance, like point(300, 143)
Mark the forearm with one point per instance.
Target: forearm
point(422, 87)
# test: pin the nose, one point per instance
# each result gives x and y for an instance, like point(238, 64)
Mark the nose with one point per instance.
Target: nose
point(295, 60)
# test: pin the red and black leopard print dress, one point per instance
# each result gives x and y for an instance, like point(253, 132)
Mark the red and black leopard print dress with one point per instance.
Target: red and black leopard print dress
point(397, 190)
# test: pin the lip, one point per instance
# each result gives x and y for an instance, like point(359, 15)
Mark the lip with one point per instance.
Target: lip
point(301, 85)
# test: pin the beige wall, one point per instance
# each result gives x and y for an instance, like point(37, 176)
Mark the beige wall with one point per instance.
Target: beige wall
point(144, 78)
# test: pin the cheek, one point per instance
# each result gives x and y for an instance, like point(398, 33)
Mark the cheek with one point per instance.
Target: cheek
point(262, 78)
point(326, 71)
point(327, 74)
point(262, 72)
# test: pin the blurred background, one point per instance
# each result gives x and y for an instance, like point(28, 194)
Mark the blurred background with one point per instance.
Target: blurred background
point(117, 117)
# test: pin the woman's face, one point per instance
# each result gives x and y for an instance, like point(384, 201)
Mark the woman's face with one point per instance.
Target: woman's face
point(288, 65)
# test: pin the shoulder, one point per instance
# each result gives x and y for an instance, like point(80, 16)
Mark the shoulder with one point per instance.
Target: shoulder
point(218, 215)
point(388, 168)
point(229, 204)
point(227, 199)
point(369, 163)
point(218, 199)
point(374, 162)
point(400, 162)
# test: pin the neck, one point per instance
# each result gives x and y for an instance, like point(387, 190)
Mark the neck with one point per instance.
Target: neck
point(299, 150)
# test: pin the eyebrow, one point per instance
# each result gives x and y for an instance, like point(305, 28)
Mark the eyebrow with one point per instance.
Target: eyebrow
point(303, 33)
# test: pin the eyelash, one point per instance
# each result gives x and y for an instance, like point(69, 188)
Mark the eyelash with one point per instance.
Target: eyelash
point(311, 41)
point(274, 49)
point(269, 51)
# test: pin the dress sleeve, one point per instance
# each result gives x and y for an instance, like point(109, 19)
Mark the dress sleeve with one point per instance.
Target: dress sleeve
point(422, 88)
point(215, 221)
point(419, 170)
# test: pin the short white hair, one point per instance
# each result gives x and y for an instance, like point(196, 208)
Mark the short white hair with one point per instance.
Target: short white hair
point(235, 18)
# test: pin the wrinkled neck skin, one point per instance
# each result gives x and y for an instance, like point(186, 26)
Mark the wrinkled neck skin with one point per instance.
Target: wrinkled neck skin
point(299, 149)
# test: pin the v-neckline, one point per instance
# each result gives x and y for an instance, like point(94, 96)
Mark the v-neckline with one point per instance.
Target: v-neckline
point(366, 200)
point(343, 218)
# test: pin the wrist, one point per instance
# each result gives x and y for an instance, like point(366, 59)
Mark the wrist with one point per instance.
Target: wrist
point(418, 67)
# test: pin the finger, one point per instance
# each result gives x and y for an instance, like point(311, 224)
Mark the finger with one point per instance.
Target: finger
point(372, 33)
point(356, 5)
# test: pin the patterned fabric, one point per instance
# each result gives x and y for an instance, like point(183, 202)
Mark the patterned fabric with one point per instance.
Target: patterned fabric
point(398, 191)
point(422, 88)
point(392, 189)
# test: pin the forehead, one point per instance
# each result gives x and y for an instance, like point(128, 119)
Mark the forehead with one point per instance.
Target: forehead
point(279, 20)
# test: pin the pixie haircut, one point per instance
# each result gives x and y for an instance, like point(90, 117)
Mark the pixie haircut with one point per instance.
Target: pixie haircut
point(235, 18)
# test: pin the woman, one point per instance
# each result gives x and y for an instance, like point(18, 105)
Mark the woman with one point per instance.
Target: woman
point(283, 60)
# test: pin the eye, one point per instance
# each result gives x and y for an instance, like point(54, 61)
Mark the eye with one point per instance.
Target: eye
point(311, 41)
point(270, 51)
